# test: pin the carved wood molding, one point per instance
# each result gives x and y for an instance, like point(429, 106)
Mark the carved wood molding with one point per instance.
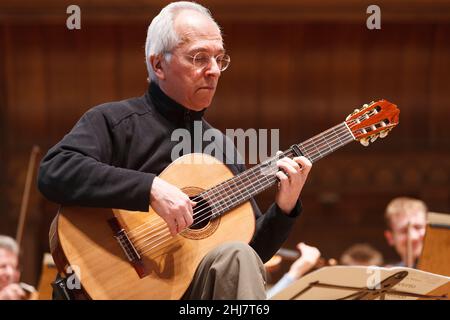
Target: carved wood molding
point(260, 11)
point(382, 173)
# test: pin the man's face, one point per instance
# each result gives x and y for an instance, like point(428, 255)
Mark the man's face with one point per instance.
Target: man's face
point(398, 236)
point(192, 87)
point(8, 268)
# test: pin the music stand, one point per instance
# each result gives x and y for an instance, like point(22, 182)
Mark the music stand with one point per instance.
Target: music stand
point(351, 282)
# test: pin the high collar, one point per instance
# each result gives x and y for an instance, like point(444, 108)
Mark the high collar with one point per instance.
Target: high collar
point(169, 108)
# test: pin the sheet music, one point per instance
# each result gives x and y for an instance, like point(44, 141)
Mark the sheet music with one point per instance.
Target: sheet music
point(354, 277)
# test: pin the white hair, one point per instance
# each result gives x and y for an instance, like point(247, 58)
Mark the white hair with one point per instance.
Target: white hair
point(9, 244)
point(161, 35)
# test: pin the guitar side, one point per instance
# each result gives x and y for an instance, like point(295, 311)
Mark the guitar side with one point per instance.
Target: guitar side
point(82, 238)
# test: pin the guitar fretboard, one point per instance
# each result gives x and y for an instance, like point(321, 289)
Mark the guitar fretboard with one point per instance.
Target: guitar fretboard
point(242, 187)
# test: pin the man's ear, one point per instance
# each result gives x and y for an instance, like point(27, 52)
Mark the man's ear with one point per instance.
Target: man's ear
point(389, 237)
point(156, 63)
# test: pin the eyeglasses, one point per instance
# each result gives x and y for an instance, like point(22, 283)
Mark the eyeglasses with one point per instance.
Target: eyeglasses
point(202, 60)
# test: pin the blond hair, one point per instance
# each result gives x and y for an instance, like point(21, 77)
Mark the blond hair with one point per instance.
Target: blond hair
point(403, 206)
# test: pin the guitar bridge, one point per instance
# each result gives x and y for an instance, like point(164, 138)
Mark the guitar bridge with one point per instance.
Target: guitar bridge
point(127, 246)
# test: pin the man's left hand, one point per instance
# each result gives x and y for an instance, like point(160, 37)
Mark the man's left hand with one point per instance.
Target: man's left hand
point(292, 176)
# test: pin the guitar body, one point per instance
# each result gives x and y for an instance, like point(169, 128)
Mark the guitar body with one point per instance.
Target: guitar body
point(83, 239)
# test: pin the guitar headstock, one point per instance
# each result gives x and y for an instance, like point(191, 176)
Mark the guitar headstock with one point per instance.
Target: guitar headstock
point(372, 121)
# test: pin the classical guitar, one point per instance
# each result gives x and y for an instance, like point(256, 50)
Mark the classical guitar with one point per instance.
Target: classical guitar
point(120, 254)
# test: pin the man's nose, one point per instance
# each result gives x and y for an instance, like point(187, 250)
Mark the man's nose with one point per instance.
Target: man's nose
point(214, 68)
point(10, 271)
point(416, 234)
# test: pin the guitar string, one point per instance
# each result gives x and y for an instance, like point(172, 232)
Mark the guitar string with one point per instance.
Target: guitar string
point(258, 180)
point(158, 231)
point(202, 218)
point(142, 246)
point(308, 144)
point(275, 169)
point(162, 242)
point(247, 173)
point(159, 242)
point(289, 151)
point(243, 199)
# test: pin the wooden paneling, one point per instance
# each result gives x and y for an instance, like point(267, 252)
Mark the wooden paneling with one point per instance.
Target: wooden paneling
point(300, 75)
point(439, 96)
point(260, 11)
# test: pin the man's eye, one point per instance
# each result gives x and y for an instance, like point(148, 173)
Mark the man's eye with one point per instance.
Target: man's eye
point(202, 59)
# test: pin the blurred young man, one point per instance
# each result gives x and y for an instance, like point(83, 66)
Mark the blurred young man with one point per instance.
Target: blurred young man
point(406, 222)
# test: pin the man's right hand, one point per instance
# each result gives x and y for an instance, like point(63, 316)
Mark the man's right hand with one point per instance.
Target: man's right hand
point(12, 292)
point(171, 204)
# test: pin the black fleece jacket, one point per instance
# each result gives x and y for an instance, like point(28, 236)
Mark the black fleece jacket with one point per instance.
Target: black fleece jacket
point(111, 156)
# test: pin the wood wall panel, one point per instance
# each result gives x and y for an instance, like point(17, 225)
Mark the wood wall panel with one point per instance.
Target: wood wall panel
point(25, 74)
point(256, 11)
point(439, 84)
point(299, 76)
point(232, 103)
point(67, 74)
point(131, 61)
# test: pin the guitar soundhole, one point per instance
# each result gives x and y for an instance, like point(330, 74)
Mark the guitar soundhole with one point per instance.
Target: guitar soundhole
point(202, 213)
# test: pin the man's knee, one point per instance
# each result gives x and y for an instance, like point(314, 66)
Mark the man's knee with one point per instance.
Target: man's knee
point(235, 248)
point(237, 255)
point(232, 270)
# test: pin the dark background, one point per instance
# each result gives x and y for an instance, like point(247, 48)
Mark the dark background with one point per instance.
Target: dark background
point(299, 66)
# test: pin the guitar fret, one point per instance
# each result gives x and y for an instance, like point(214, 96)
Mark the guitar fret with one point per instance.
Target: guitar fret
point(217, 202)
point(261, 184)
point(328, 133)
point(303, 150)
point(340, 140)
point(251, 182)
point(331, 150)
point(316, 147)
point(246, 194)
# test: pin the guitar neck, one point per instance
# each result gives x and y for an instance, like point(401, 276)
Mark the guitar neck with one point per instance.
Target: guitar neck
point(244, 186)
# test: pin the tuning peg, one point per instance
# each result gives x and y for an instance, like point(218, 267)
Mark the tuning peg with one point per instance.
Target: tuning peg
point(353, 113)
point(364, 142)
point(364, 106)
point(385, 132)
point(373, 138)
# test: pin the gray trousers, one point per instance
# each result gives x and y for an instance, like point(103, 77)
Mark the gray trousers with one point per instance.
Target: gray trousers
point(232, 271)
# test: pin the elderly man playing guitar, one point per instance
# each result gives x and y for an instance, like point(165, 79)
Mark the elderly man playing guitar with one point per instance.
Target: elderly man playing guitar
point(114, 157)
